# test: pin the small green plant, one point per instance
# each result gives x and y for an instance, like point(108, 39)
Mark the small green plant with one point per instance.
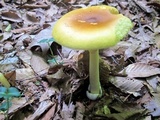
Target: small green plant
point(52, 55)
point(7, 93)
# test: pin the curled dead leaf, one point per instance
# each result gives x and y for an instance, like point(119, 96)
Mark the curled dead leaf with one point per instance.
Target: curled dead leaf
point(44, 35)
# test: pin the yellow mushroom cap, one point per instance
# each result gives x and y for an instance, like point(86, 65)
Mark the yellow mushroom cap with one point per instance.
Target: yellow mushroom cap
point(90, 28)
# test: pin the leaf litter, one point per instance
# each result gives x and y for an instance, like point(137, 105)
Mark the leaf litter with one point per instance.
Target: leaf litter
point(53, 85)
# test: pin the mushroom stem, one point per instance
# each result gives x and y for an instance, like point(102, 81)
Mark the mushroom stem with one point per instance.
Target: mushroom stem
point(94, 90)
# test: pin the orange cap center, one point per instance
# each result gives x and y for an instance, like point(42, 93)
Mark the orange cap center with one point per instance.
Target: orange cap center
point(91, 19)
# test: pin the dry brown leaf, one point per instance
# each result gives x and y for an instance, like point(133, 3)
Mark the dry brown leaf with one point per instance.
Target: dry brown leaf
point(80, 111)
point(39, 65)
point(25, 56)
point(57, 78)
point(140, 70)
point(31, 16)
point(41, 15)
point(128, 85)
point(130, 51)
point(152, 83)
point(51, 12)
point(50, 113)
point(17, 104)
point(2, 3)
point(20, 2)
point(43, 106)
point(154, 105)
point(64, 82)
point(47, 94)
point(145, 99)
point(25, 30)
point(23, 41)
point(143, 6)
point(25, 74)
point(39, 5)
point(155, 3)
point(8, 46)
point(8, 63)
point(32, 91)
point(11, 16)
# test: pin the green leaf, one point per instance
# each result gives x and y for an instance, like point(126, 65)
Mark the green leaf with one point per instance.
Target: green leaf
point(53, 61)
point(103, 110)
point(4, 106)
point(9, 92)
point(13, 92)
point(46, 40)
point(3, 91)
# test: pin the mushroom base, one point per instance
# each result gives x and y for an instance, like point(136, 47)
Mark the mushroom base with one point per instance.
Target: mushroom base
point(93, 96)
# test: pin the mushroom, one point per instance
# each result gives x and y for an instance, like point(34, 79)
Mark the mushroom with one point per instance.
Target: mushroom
point(92, 28)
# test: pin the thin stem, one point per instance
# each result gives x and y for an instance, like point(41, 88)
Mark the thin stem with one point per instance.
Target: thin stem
point(94, 72)
point(7, 100)
point(52, 55)
point(7, 109)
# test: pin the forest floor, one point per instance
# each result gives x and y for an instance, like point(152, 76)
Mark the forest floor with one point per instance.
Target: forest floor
point(53, 79)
